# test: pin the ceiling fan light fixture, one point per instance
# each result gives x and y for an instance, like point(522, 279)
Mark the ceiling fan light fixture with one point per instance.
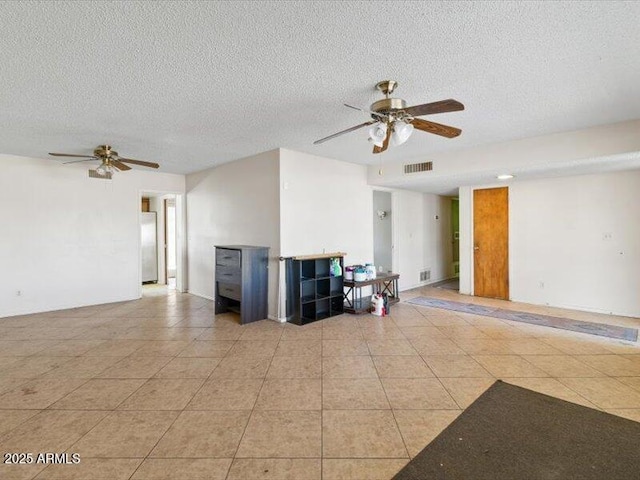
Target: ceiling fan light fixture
point(377, 133)
point(111, 162)
point(104, 169)
point(393, 113)
point(401, 132)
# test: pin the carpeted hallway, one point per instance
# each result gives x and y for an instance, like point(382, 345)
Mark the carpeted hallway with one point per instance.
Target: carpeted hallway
point(160, 389)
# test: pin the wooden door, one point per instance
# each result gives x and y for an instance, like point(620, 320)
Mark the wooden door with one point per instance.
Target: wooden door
point(491, 242)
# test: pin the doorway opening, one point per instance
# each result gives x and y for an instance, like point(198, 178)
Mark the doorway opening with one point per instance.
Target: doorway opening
point(449, 244)
point(160, 266)
point(382, 231)
point(455, 236)
point(170, 250)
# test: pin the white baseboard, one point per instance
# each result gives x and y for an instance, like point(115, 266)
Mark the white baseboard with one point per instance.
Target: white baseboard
point(277, 319)
point(200, 295)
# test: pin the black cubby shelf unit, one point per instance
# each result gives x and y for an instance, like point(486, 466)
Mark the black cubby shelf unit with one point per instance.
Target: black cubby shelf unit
point(313, 292)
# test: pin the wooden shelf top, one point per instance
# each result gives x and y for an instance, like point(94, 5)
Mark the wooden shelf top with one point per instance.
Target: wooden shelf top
point(380, 278)
point(317, 255)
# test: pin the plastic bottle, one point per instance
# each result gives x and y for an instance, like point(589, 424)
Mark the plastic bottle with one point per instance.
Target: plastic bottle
point(336, 269)
point(371, 271)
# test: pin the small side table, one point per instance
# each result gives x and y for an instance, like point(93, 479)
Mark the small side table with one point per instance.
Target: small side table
point(383, 283)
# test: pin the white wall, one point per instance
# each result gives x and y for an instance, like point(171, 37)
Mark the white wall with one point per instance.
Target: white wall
point(574, 242)
point(409, 237)
point(438, 244)
point(69, 240)
point(421, 241)
point(300, 204)
point(565, 150)
point(156, 204)
point(465, 209)
point(235, 203)
point(382, 231)
point(326, 206)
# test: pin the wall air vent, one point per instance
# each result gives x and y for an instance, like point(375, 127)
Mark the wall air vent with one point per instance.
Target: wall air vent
point(425, 275)
point(418, 167)
point(94, 174)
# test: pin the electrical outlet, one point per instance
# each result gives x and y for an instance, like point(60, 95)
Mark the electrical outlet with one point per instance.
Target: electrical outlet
point(541, 284)
point(18, 293)
point(607, 236)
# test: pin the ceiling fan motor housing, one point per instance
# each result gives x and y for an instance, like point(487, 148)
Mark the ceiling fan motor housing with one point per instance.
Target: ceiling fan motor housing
point(104, 151)
point(388, 105)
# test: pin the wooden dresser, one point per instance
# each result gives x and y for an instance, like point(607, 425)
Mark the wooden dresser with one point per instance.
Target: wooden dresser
point(241, 281)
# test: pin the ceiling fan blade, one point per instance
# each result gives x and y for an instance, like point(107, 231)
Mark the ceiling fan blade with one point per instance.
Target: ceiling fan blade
point(442, 106)
point(437, 128)
point(370, 112)
point(119, 165)
point(344, 131)
point(71, 155)
point(77, 161)
point(139, 162)
point(385, 143)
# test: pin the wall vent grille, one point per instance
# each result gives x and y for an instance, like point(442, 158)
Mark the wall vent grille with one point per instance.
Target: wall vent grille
point(418, 167)
point(94, 174)
point(425, 275)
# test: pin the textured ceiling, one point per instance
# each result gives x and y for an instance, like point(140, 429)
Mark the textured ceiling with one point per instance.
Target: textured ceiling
point(194, 84)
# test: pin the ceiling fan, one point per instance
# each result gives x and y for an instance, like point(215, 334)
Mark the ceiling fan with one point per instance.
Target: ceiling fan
point(394, 121)
point(110, 161)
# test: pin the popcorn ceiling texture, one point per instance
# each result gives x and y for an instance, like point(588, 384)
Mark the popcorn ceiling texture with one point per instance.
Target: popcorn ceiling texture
point(195, 84)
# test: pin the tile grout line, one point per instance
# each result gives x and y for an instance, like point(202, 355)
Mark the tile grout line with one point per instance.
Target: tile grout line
point(322, 402)
point(253, 409)
point(395, 419)
point(180, 411)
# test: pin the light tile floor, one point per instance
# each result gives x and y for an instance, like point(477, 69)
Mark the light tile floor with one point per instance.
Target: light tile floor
point(160, 388)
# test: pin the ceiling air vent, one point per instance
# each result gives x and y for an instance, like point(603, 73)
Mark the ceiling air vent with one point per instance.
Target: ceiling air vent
point(418, 167)
point(94, 174)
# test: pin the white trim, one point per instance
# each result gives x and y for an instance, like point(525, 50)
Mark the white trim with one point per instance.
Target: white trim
point(181, 237)
point(395, 258)
point(200, 295)
point(471, 230)
point(181, 243)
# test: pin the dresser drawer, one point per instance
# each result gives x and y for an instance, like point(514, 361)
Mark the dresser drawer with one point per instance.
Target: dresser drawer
point(229, 258)
point(229, 290)
point(228, 274)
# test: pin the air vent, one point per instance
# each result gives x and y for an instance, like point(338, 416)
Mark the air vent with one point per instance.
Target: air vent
point(425, 275)
point(94, 174)
point(418, 167)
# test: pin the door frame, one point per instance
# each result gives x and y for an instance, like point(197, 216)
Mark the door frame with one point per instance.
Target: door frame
point(181, 237)
point(394, 242)
point(467, 271)
point(500, 273)
point(165, 207)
